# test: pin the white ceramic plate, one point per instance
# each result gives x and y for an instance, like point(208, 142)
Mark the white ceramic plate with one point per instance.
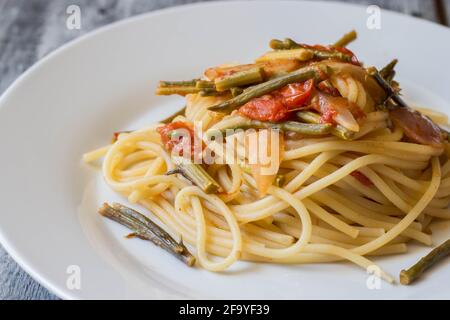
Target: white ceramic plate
point(71, 102)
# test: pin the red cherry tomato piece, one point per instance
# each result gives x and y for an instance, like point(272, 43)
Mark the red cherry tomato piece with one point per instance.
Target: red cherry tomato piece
point(265, 108)
point(276, 106)
point(296, 94)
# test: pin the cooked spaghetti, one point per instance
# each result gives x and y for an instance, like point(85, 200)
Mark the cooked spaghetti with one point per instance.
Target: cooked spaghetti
point(355, 171)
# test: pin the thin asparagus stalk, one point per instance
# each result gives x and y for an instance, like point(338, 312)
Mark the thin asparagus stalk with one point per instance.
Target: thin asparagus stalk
point(324, 55)
point(236, 91)
point(180, 90)
point(207, 92)
point(286, 126)
point(294, 126)
point(241, 78)
point(183, 88)
point(346, 39)
point(338, 130)
point(393, 99)
point(146, 229)
point(196, 174)
point(388, 72)
point(289, 54)
point(173, 116)
point(205, 84)
point(261, 89)
point(187, 83)
point(437, 254)
point(289, 44)
point(207, 88)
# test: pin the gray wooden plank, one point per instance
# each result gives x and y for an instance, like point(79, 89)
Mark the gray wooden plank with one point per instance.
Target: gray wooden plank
point(19, 31)
point(30, 29)
point(94, 15)
point(15, 284)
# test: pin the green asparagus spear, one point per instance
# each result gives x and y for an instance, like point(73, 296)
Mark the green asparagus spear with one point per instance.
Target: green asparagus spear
point(195, 174)
point(186, 87)
point(208, 92)
point(324, 55)
point(393, 99)
point(289, 44)
point(172, 117)
point(388, 74)
point(207, 88)
point(436, 255)
point(241, 78)
point(236, 91)
point(294, 126)
point(286, 44)
point(346, 39)
point(187, 83)
point(290, 54)
point(205, 84)
point(390, 92)
point(146, 229)
point(338, 130)
point(303, 74)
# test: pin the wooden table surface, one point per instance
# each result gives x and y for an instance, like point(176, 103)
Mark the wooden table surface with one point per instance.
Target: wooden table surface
point(30, 29)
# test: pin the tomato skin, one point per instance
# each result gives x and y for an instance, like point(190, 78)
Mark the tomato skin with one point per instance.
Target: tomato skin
point(355, 60)
point(348, 52)
point(362, 178)
point(276, 106)
point(186, 137)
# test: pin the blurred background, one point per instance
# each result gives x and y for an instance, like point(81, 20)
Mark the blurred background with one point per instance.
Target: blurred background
point(30, 29)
